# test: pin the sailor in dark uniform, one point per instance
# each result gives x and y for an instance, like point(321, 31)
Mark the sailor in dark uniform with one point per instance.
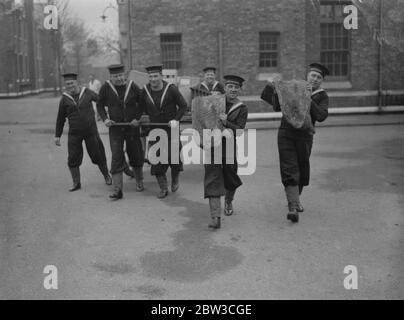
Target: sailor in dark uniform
point(121, 97)
point(164, 103)
point(222, 179)
point(76, 106)
point(295, 145)
point(209, 83)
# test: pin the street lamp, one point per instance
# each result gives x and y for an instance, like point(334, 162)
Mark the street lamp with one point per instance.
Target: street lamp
point(103, 16)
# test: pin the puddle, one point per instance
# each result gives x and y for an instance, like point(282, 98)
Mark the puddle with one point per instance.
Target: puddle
point(9, 123)
point(196, 256)
point(42, 131)
point(151, 291)
point(373, 173)
point(97, 196)
point(115, 269)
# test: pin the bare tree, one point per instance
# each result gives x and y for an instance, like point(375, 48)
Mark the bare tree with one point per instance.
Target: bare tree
point(72, 42)
point(58, 39)
point(76, 37)
point(108, 42)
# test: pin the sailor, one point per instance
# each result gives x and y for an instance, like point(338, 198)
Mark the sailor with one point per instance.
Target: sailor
point(76, 106)
point(295, 145)
point(209, 83)
point(221, 179)
point(164, 104)
point(121, 98)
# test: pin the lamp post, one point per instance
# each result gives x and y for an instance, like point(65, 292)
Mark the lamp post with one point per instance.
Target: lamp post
point(380, 58)
point(104, 18)
point(129, 35)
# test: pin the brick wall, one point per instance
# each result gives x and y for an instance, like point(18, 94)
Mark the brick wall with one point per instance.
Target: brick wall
point(6, 49)
point(364, 51)
point(240, 22)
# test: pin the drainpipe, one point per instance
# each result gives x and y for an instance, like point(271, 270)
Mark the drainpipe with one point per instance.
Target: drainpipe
point(380, 89)
point(220, 45)
point(129, 35)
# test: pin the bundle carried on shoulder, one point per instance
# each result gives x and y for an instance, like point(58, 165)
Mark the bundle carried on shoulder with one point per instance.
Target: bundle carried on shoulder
point(295, 101)
point(206, 110)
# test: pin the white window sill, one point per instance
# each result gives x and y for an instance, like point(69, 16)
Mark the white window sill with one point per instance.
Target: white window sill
point(264, 76)
point(339, 85)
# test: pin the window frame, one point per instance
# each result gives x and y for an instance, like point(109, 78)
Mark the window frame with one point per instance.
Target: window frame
point(277, 36)
point(163, 51)
point(336, 20)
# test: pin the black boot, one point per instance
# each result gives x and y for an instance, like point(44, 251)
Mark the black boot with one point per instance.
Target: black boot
point(118, 186)
point(215, 212)
point(215, 223)
point(300, 208)
point(228, 203)
point(104, 170)
point(128, 171)
point(292, 194)
point(299, 205)
point(228, 209)
point(175, 180)
point(139, 179)
point(75, 172)
point(293, 215)
point(162, 181)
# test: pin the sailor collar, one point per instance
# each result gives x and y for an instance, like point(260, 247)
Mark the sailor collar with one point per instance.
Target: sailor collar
point(116, 92)
point(71, 98)
point(162, 97)
point(206, 86)
point(317, 91)
point(235, 107)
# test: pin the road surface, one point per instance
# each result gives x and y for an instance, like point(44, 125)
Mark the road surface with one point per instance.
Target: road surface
point(145, 248)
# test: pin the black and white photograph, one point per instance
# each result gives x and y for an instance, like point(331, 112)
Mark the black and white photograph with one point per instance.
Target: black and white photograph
point(219, 151)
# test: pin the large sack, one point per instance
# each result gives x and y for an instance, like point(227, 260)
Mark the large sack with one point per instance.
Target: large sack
point(205, 114)
point(295, 101)
point(140, 78)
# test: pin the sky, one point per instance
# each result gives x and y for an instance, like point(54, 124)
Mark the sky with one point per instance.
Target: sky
point(91, 10)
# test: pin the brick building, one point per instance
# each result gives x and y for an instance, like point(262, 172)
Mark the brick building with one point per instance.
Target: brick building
point(256, 38)
point(27, 64)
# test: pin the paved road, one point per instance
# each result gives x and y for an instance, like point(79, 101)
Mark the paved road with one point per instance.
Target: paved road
point(144, 248)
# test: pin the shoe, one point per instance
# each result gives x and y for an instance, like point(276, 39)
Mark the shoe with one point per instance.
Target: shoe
point(75, 172)
point(300, 208)
point(215, 223)
point(175, 180)
point(108, 180)
point(117, 195)
point(75, 187)
point(139, 187)
point(162, 181)
point(175, 187)
point(129, 172)
point(228, 209)
point(162, 194)
point(293, 216)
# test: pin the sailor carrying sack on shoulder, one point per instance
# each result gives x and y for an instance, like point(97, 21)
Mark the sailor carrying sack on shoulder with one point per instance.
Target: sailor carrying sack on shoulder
point(295, 102)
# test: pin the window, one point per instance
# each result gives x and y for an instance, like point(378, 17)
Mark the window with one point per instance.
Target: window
point(171, 50)
point(268, 49)
point(335, 40)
